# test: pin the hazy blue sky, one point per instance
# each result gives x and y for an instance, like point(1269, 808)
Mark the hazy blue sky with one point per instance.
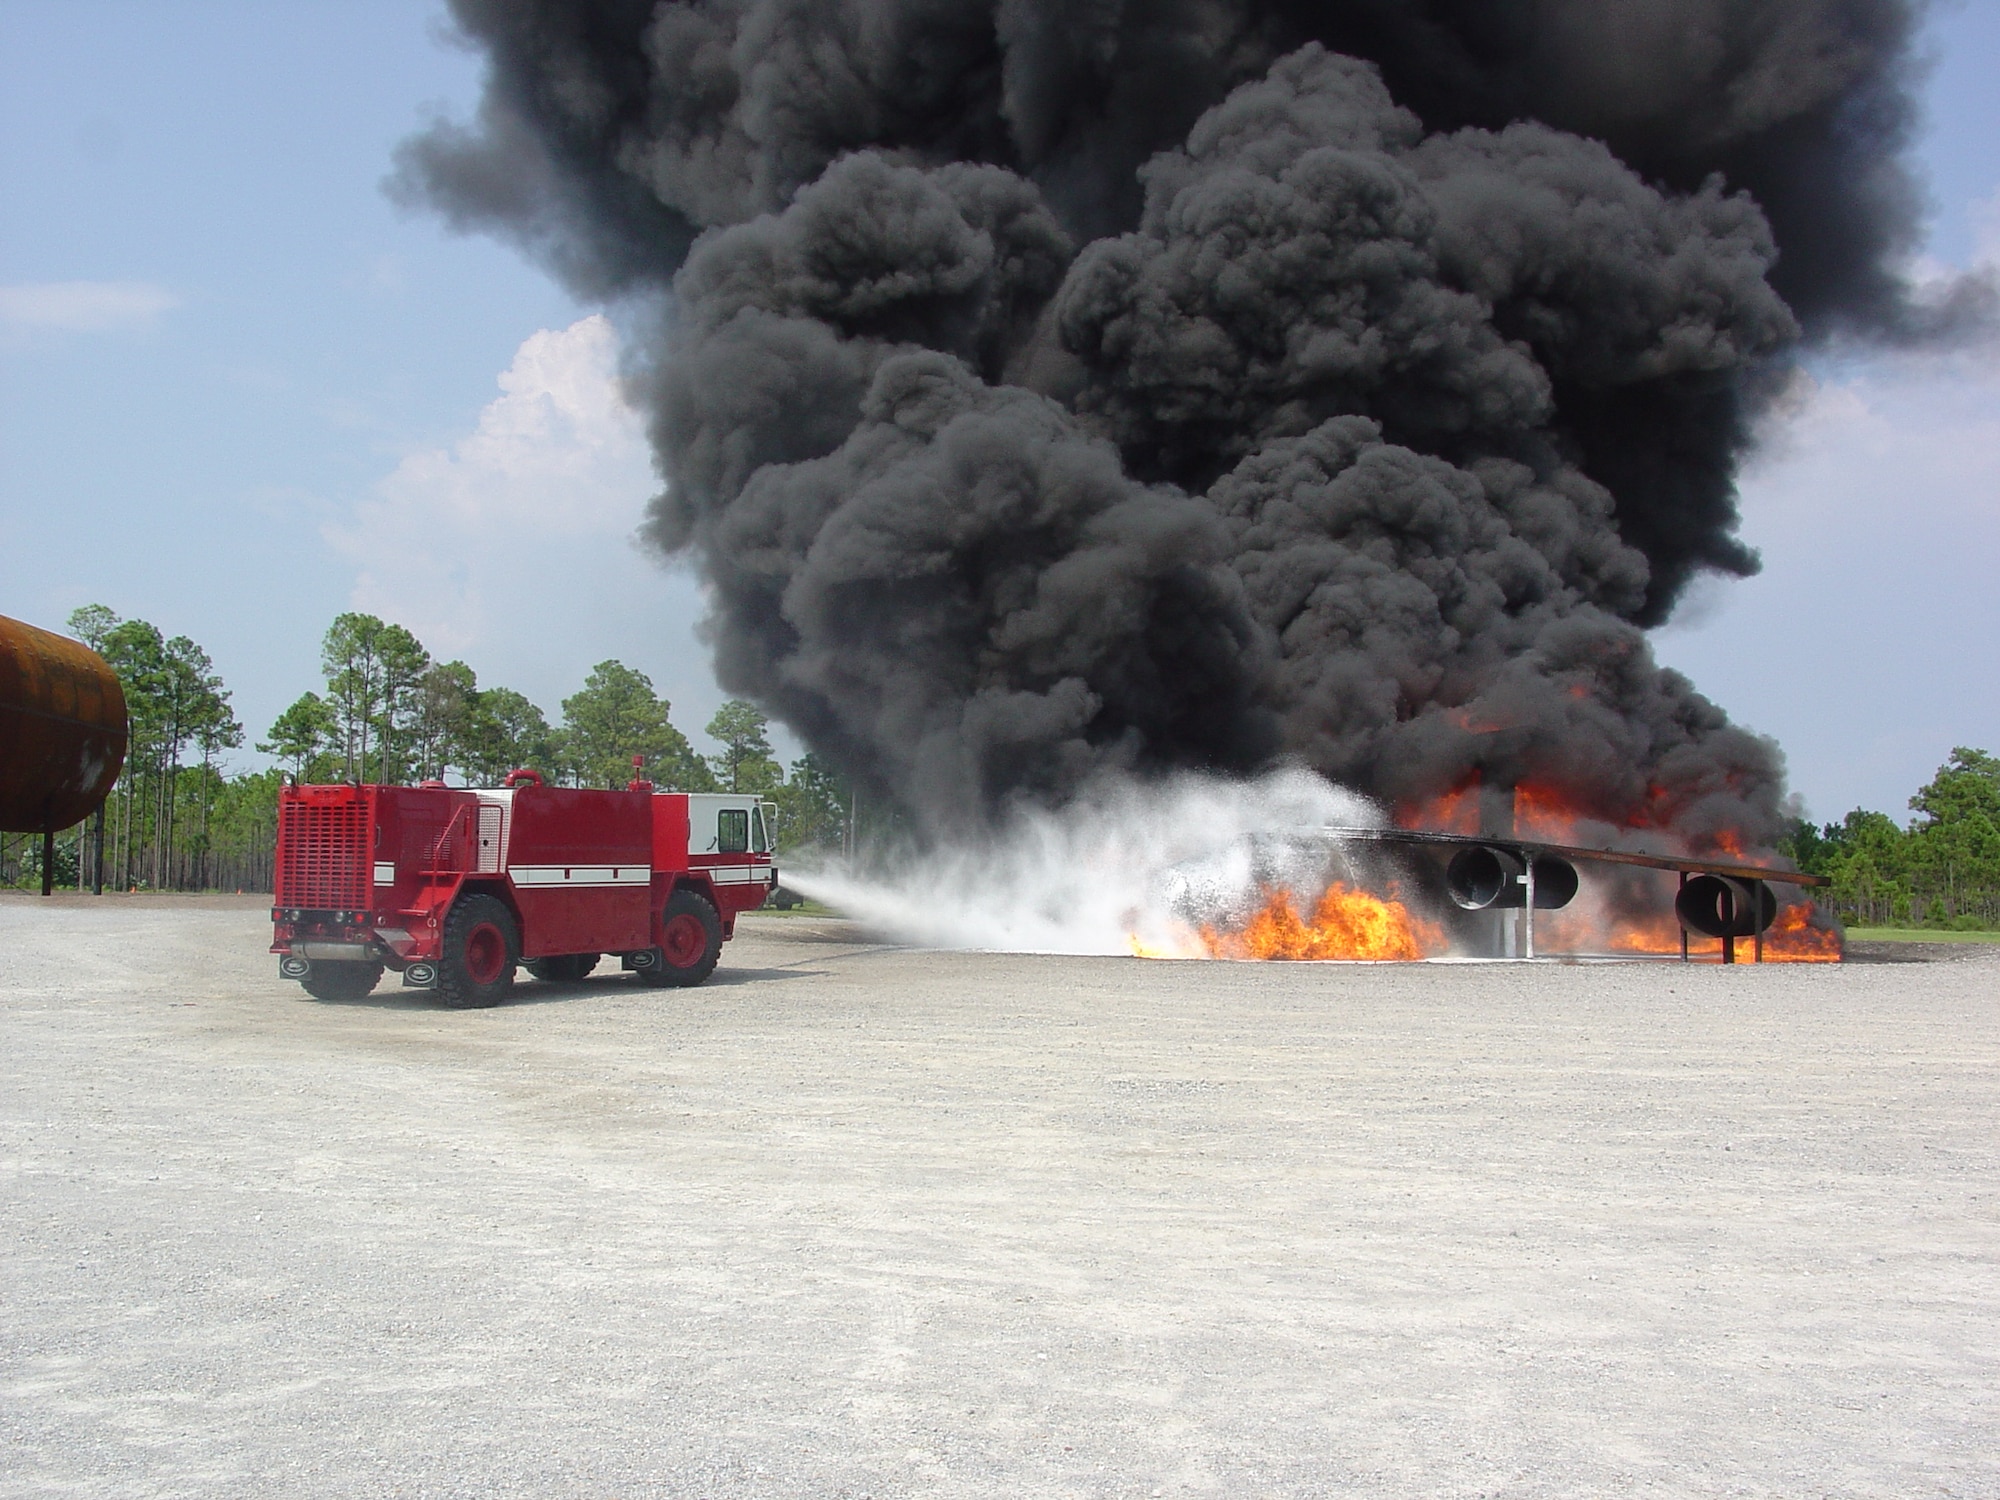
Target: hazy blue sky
point(240, 392)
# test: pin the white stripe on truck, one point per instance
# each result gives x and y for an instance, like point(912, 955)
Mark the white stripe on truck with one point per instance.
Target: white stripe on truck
point(572, 877)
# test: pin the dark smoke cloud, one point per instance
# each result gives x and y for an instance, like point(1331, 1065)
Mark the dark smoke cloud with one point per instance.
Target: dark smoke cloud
point(950, 582)
point(1310, 252)
point(1052, 387)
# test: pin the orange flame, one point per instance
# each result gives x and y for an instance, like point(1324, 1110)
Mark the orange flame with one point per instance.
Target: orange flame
point(1347, 923)
point(1656, 934)
point(1543, 812)
point(1793, 939)
point(1455, 811)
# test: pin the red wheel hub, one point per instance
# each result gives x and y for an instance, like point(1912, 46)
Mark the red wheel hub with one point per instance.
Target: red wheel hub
point(485, 954)
point(683, 940)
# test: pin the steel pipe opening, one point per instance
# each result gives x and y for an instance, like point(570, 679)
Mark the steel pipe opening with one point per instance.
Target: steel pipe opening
point(1719, 906)
point(1555, 883)
point(1496, 877)
point(1483, 877)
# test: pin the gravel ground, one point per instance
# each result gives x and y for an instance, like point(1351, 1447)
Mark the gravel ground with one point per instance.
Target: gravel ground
point(855, 1221)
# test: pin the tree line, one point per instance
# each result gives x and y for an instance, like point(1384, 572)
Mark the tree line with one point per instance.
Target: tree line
point(1941, 869)
point(386, 711)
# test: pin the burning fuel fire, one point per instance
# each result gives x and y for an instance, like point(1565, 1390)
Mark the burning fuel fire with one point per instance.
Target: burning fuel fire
point(1795, 939)
point(1455, 811)
point(1792, 938)
point(1643, 922)
point(1346, 923)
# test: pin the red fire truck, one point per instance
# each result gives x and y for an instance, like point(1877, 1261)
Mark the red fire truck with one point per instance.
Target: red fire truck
point(453, 886)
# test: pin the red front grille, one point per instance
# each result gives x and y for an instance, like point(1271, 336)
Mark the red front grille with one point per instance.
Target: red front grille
point(324, 850)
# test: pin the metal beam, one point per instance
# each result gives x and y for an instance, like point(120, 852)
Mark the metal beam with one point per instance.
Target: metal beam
point(1527, 847)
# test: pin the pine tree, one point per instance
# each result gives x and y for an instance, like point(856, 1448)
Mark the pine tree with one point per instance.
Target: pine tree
point(745, 763)
point(616, 716)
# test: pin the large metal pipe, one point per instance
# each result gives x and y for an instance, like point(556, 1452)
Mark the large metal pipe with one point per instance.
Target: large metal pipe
point(62, 729)
point(1487, 876)
point(1722, 907)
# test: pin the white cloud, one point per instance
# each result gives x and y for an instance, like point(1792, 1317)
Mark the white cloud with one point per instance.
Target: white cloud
point(554, 476)
point(1869, 643)
point(84, 306)
point(514, 547)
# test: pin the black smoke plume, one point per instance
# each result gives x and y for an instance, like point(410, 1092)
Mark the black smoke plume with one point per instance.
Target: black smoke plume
point(1048, 386)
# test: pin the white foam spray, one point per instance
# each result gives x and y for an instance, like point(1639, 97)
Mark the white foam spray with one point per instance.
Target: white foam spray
point(1126, 863)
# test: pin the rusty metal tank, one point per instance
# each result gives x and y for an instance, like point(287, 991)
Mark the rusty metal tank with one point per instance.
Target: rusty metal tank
point(62, 729)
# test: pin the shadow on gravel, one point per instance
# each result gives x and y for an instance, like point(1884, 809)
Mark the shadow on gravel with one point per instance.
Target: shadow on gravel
point(549, 992)
point(823, 930)
point(385, 999)
point(731, 977)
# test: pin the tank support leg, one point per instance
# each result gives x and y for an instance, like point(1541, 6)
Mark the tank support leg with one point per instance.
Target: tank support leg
point(49, 862)
point(1677, 918)
point(1528, 909)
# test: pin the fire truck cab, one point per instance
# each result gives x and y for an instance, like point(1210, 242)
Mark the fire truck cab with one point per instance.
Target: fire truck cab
point(454, 887)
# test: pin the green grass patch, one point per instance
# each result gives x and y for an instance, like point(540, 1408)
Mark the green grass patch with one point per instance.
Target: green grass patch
point(1918, 935)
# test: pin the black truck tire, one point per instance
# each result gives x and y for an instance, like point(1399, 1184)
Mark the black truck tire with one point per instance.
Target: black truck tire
point(481, 947)
point(342, 979)
point(690, 942)
point(561, 967)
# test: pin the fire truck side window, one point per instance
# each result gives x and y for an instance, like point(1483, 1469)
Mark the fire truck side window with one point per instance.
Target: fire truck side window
point(760, 841)
point(732, 831)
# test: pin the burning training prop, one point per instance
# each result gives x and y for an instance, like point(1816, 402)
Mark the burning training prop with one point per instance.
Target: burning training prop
point(1285, 865)
point(1724, 900)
